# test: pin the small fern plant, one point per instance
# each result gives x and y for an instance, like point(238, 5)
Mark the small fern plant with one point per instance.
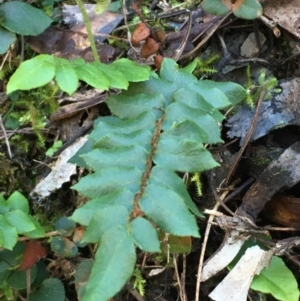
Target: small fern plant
point(158, 128)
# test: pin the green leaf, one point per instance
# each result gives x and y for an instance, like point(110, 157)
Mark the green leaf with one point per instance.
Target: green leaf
point(106, 180)
point(76, 159)
point(14, 256)
point(168, 210)
point(42, 274)
point(234, 93)
point(114, 264)
point(190, 68)
point(183, 155)
point(116, 78)
point(171, 72)
point(63, 247)
point(65, 76)
point(91, 74)
point(109, 127)
point(249, 10)
point(83, 272)
point(4, 208)
point(179, 112)
point(144, 235)
point(18, 279)
point(133, 106)
point(175, 244)
point(38, 232)
point(169, 179)
point(32, 74)
point(132, 71)
point(278, 281)
point(6, 39)
point(2, 241)
point(213, 95)
point(115, 6)
point(122, 197)
point(215, 7)
point(17, 201)
point(20, 221)
point(8, 233)
point(127, 156)
point(188, 130)
point(55, 147)
point(103, 220)
point(24, 19)
point(102, 6)
point(51, 290)
point(65, 226)
point(196, 101)
point(158, 128)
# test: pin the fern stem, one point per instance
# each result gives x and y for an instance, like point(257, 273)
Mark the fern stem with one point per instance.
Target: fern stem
point(87, 23)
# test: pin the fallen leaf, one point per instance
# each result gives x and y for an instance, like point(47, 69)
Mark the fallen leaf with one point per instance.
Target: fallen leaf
point(34, 251)
point(240, 277)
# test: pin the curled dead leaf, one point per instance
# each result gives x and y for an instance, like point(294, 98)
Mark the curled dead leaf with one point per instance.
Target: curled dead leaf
point(141, 33)
point(150, 47)
point(284, 210)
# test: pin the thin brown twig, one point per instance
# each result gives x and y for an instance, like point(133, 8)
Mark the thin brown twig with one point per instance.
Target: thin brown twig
point(181, 47)
point(181, 291)
point(183, 275)
point(203, 248)
point(215, 27)
point(124, 11)
point(248, 137)
point(7, 54)
point(5, 136)
point(144, 262)
point(49, 234)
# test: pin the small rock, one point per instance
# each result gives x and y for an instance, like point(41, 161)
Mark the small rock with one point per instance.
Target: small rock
point(249, 47)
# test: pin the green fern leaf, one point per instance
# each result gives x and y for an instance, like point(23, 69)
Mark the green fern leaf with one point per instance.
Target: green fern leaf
point(159, 128)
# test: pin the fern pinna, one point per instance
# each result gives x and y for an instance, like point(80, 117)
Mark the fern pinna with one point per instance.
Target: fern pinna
point(159, 127)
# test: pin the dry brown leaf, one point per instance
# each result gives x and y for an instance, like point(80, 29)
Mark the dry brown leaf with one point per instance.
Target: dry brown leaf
point(34, 251)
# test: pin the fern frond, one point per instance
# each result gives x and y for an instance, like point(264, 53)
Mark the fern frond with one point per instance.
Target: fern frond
point(158, 128)
point(197, 181)
point(139, 282)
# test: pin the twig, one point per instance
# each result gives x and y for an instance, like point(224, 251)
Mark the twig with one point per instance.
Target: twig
point(271, 24)
point(124, 11)
point(183, 274)
point(203, 248)
point(248, 137)
point(181, 290)
point(181, 47)
point(215, 27)
point(49, 234)
point(5, 58)
point(5, 136)
point(238, 190)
